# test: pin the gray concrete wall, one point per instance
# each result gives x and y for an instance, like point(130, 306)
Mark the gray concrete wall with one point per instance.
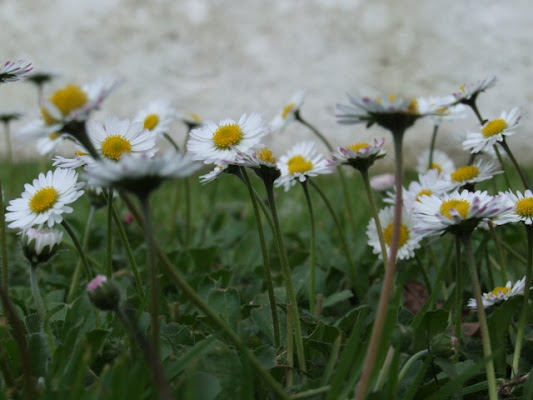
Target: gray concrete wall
point(223, 58)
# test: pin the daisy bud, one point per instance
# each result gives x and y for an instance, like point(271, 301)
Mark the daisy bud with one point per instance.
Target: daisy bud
point(444, 346)
point(103, 294)
point(39, 245)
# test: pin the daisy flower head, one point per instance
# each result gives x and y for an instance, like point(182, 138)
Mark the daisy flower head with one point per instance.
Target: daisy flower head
point(289, 113)
point(214, 142)
point(117, 137)
point(499, 294)
point(521, 210)
point(359, 155)
point(493, 131)
point(432, 182)
point(192, 120)
point(214, 173)
point(439, 109)
point(481, 170)
point(262, 161)
point(39, 245)
point(469, 91)
point(394, 113)
point(302, 161)
point(157, 117)
point(409, 240)
point(441, 162)
point(140, 173)
point(46, 200)
point(457, 212)
point(12, 71)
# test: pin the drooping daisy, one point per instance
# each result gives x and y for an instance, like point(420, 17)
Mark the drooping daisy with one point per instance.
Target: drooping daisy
point(215, 142)
point(359, 155)
point(157, 117)
point(522, 208)
point(45, 200)
point(470, 174)
point(469, 91)
point(409, 240)
point(301, 162)
point(289, 112)
point(441, 162)
point(39, 245)
point(141, 173)
point(499, 294)
point(493, 131)
point(439, 110)
point(12, 71)
point(457, 212)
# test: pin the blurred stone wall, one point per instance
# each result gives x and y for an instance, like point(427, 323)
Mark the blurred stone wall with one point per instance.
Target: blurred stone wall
point(220, 59)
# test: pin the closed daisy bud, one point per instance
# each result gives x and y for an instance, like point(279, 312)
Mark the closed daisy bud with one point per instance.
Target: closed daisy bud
point(39, 245)
point(444, 346)
point(103, 293)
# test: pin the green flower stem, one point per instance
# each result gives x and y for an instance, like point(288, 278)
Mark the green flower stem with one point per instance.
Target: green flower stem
point(9, 151)
point(289, 375)
point(485, 338)
point(286, 270)
point(313, 129)
point(458, 293)
point(154, 293)
point(352, 268)
point(150, 355)
point(3, 243)
point(523, 178)
point(525, 306)
point(414, 358)
point(312, 251)
point(472, 104)
point(266, 259)
point(513, 252)
point(171, 141)
point(388, 279)
point(310, 393)
point(499, 253)
point(502, 164)
point(77, 271)
point(109, 235)
point(187, 189)
point(432, 145)
point(384, 373)
point(41, 310)
point(79, 248)
point(375, 214)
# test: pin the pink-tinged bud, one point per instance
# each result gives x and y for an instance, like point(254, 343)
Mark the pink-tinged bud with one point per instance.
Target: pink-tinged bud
point(382, 182)
point(103, 293)
point(128, 218)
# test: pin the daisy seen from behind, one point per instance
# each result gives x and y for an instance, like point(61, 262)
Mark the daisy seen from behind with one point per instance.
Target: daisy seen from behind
point(499, 294)
point(12, 71)
point(39, 245)
point(215, 142)
point(469, 91)
point(46, 200)
point(289, 113)
point(301, 162)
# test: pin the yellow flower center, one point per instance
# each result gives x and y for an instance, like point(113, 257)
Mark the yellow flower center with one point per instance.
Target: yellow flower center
point(43, 199)
point(80, 153)
point(461, 206)
point(227, 135)
point(494, 127)
point(265, 154)
point(299, 164)
point(66, 100)
point(465, 173)
point(463, 88)
point(358, 146)
point(195, 117)
point(151, 121)
point(413, 106)
point(436, 166)
point(524, 207)
point(114, 146)
point(404, 235)
point(423, 192)
point(54, 135)
point(500, 290)
point(287, 109)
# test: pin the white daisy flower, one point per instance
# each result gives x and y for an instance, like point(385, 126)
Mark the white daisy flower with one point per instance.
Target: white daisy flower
point(301, 162)
point(482, 170)
point(439, 110)
point(429, 183)
point(456, 212)
point(359, 155)
point(215, 142)
point(192, 120)
point(157, 117)
point(441, 162)
point(116, 137)
point(45, 200)
point(140, 173)
point(522, 208)
point(468, 92)
point(289, 112)
point(409, 240)
point(262, 162)
point(79, 160)
point(493, 131)
point(499, 294)
point(40, 244)
point(214, 174)
point(12, 71)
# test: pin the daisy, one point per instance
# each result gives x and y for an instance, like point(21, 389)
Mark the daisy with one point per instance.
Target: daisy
point(192, 120)
point(441, 162)
point(409, 240)
point(141, 173)
point(471, 174)
point(468, 92)
point(301, 162)
point(45, 200)
point(263, 163)
point(429, 183)
point(215, 142)
point(39, 245)
point(493, 131)
point(359, 155)
point(458, 212)
point(499, 294)
point(157, 117)
point(12, 71)
point(522, 208)
point(439, 110)
point(215, 173)
point(392, 113)
point(289, 112)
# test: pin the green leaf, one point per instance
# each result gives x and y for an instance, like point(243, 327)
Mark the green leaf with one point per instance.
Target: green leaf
point(226, 303)
point(337, 298)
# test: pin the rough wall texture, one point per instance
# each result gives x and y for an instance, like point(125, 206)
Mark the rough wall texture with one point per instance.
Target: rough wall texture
point(224, 58)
